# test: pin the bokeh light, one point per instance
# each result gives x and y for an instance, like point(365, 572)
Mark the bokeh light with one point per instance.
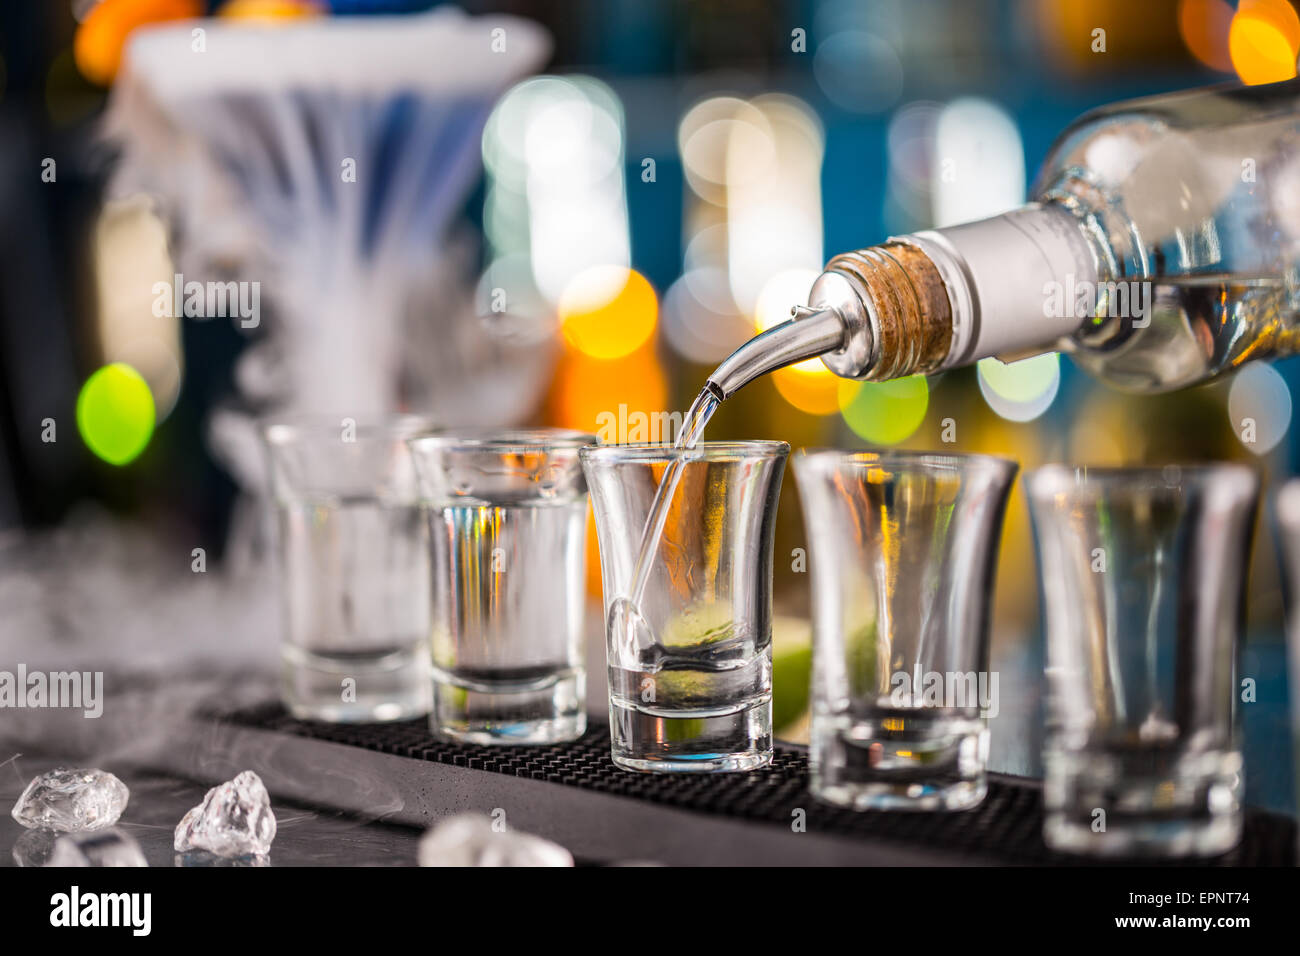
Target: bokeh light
point(815, 391)
point(269, 10)
point(115, 413)
point(774, 220)
point(589, 390)
point(131, 256)
point(911, 166)
point(1204, 25)
point(809, 385)
point(611, 398)
point(885, 413)
point(706, 135)
point(1264, 40)
point(779, 293)
point(507, 126)
point(910, 140)
point(707, 249)
point(102, 35)
point(858, 71)
point(1020, 391)
point(573, 134)
point(553, 151)
point(979, 162)
point(608, 312)
point(753, 213)
point(698, 318)
point(1259, 407)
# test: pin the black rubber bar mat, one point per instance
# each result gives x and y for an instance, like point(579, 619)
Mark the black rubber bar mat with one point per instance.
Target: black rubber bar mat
point(1005, 828)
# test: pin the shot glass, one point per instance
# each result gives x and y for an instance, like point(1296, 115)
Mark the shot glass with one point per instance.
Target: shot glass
point(902, 550)
point(355, 569)
point(1288, 517)
point(507, 517)
point(1142, 574)
point(689, 634)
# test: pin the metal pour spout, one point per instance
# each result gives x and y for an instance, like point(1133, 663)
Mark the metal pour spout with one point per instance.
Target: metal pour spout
point(807, 335)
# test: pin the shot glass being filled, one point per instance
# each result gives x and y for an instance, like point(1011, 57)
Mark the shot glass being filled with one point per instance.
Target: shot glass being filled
point(686, 559)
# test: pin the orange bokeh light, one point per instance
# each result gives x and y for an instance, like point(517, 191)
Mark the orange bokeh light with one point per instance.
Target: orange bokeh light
point(1204, 25)
point(1264, 40)
point(587, 391)
point(809, 386)
point(101, 37)
point(588, 394)
point(269, 9)
point(595, 580)
point(608, 312)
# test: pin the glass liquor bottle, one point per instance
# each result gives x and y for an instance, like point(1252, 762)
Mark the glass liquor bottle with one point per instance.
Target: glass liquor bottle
point(1161, 248)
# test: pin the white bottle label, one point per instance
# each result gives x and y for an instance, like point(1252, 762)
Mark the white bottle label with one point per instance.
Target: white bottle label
point(1011, 280)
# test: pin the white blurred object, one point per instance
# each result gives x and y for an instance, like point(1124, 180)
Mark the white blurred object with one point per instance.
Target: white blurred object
point(471, 839)
point(327, 160)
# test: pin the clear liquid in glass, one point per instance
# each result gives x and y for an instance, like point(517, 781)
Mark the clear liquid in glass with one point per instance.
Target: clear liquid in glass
point(507, 632)
point(708, 681)
point(356, 577)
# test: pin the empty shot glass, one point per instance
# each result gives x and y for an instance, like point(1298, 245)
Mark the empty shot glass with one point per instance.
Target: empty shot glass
point(1288, 518)
point(1142, 572)
point(902, 548)
point(507, 516)
point(689, 636)
point(354, 566)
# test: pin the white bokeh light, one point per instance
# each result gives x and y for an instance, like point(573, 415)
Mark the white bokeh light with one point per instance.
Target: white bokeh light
point(979, 162)
point(1259, 407)
point(553, 148)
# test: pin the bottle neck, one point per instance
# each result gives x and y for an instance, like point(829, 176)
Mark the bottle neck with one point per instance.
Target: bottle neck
point(921, 303)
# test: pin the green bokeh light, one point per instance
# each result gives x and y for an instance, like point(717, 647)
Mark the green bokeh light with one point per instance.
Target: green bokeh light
point(885, 413)
point(115, 413)
point(1020, 391)
point(1022, 381)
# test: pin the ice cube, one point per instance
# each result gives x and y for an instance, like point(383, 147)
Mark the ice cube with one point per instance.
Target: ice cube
point(234, 820)
point(33, 847)
point(202, 859)
point(71, 800)
point(471, 839)
point(98, 848)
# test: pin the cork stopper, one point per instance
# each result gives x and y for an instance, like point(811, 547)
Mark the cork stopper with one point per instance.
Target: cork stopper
point(895, 305)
